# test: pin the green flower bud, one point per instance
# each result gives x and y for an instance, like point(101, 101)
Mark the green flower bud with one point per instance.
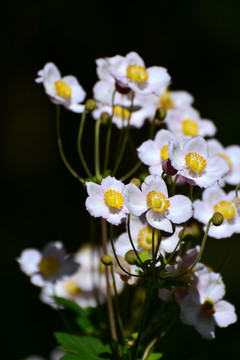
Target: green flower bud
point(131, 257)
point(105, 118)
point(106, 260)
point(136, 182)
point(161, 113)
point(217, 219)
point(90, 105)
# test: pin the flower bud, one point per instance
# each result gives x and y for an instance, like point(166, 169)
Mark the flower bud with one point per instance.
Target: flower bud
point(90, 105)
point(217, 219)
point(106, 260)
point(136, 182)
point(161, 113)
point(122, 88)
point(236, 201)
point(131, 257)
point(105, 118)
point(168, 168)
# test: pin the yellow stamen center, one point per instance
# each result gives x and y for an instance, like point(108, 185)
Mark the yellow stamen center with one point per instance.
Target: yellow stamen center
point(145, 237)
point(49, 265)
point(164, 152)
point(227, 158)
point(120, 111)
point(226, 209)
point(72, 288)
point(157, 201)
point(62, 89)
point(208, 307)
point(113, 198)
point(137, 73)
point(190, 127)
point(195, 162)
point(166, 101)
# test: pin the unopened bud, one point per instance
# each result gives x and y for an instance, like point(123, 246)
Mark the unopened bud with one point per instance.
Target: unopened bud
point(106, 260)
point(122, 88)
point(90, 105)
point(168, 168)
point(217, 219)
point(131, 257)
point(161, 113)
point(105, 118)
point(136, 182)
point(236, 201)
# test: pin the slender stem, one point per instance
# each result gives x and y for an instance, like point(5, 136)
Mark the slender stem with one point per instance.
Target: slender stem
point(131, 241)
point(200, 252)
point(142, 324)
point(97, 148)
point(236, 190)
point(79, 143)
point(122, 150)
point(109, 133)
point(173, 185)
point(60, 148)
point(131, 172)
point(109, 295)
point(152, 128)
point(153, 248)
point(190, 192)
point(159, 243)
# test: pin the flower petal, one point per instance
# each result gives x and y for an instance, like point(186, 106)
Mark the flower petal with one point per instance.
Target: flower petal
point(180, 209)
point(158, 221)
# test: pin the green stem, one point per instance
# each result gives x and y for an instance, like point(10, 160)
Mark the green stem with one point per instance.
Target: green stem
point(122, 150)
point(152, 128)
point(236, 190)
point(79, 143)
point(131, 172)
point(190, 192)
point(153, 252)
point(97, 148)
point(159, 243)
point(131, 241)
point(109, 133)
point(60, 148)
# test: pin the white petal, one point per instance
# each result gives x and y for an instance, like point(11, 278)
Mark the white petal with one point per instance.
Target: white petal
point(156, 170)
point(134, 200)
point(202, 211)
point(122, 245)
point(154, 183)
point(158, 78)
point(215, 288)
point(180, 209)
point(78, 94)
point(205, 326)
point(176, 155)
point(224, 313)
point(134, 59)
point(96, 207)
point(95, 190)
point(112, 183)
point(214, 147)
point(158, 221)
point(216, 168)
point(149, 153)
point(50, 75)
point(168, 244)
point(196, 145)
point(207, 128)
point(116, 217)
point(213, 195)
point(29, 260)
point(77, 108)
point(163, 137)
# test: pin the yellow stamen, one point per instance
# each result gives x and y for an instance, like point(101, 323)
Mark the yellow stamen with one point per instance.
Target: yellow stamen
point(157, 201)
point(121, 111)
point(208, 307)
point(62, 89)
point(164, 152)
point(137, 73)
point(166, 101)
point(72, 288)
point(226, 209)
point(195, 162)
point(145, 237)
point(190, 127)
point(49, 265)
point(227, 158)
point(113, 198)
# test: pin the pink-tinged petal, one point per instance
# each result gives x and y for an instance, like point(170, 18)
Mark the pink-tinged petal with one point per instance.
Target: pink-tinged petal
point(207, 128)
point(112, 183)
point(190, 309)
point(213, 195)
point(181, 98)
point(50, 74)
point(29, 260)
point(205, 326)
point(95, 191)
point(220, 232)
point(202, 211)
point(163, 137)
point(149, 153)
point(78, 94)
point(158, 78)
point(134, 200)
point(96, 207)
point(158, 221)
point(156, 170)
point(224, 313)
point(216, 169)
point(176, 155)
point(215, 147)
point(134, 59)
point(188, 259)
point(102, 70)
point(180, 209)
point(116, 217)
point(196, 145)
point(154, 183)
point(102, 91)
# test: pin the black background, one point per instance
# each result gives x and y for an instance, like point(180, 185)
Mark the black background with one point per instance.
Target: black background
point(199, 43)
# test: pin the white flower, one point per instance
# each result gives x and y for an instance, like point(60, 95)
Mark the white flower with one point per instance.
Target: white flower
point(130, 72)
point(161, 209)
point(65, 90)
point(106, 200)
point(192, 161)
point(203, 307)
point(187, 121)
point(232, 155)
point(214, 199)
point(47, 266)
point(154, 152)
point(174, 99)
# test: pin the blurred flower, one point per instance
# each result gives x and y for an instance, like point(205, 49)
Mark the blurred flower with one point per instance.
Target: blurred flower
point(47, 266)
point(65, 90)
point(174, 99)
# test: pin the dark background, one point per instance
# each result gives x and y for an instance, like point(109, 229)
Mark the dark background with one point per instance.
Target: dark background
point(199, 43)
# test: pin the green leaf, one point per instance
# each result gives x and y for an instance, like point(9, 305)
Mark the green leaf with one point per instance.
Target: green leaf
point(71, 357)
point(144, 255)
point(87, 347)
point(155, 356)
